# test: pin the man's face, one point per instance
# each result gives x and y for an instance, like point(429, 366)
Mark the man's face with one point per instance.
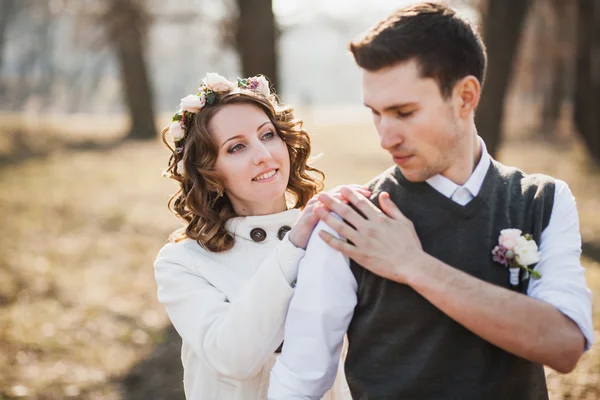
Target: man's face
point(416, 125)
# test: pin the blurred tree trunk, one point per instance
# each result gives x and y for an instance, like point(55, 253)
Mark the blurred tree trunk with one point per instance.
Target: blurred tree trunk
point(502, 28)
point(587, 85)
point(45, 32)
point(127, 22)
point(33, 76)
point(6, 8)
point(555, 94)
point(256, 39)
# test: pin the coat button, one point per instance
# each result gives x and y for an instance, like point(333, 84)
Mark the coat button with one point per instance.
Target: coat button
point(282, 231)
point(278, 350)
point(258, 234)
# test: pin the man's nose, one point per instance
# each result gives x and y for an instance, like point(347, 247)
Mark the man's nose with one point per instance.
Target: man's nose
point(390, 134)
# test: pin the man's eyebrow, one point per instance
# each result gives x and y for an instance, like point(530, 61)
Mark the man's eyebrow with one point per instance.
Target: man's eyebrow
point(394, 106)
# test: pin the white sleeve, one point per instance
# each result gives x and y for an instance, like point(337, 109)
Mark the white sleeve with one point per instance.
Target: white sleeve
point(288, 256)
point(563, 281)
point(317, 320)
point(235, 338)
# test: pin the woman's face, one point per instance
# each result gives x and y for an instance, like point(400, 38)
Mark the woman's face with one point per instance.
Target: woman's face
point(252, 159)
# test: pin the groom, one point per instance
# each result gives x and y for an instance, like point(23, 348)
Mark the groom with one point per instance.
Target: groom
point(429, 313)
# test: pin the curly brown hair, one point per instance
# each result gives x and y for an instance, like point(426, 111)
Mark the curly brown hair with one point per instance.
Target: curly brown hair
point(200, 200)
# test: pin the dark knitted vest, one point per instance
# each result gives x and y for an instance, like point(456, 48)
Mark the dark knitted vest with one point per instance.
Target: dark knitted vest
point(401, 346)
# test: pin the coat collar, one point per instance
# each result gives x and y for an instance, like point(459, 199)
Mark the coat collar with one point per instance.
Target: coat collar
point(241, 227)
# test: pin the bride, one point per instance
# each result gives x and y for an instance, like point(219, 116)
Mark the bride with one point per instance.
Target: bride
point(245, 194)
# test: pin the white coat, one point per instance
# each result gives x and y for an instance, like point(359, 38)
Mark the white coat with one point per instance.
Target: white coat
point(229, 308)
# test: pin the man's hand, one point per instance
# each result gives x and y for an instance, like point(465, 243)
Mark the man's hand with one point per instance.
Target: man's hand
point(307, 221)
point(385, 242)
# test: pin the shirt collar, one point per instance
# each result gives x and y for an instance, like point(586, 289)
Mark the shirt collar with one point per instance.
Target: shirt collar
point(446, 187)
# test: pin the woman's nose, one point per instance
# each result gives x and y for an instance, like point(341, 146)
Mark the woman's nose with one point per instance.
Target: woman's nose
point(262, 154)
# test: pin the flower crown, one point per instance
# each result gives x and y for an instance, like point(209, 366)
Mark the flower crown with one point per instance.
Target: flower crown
point(211, 86)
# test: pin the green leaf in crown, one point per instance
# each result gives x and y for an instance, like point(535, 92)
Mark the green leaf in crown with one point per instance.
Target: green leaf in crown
point(211, 97)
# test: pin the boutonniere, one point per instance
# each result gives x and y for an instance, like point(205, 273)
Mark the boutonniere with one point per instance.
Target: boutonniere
point(516, 251)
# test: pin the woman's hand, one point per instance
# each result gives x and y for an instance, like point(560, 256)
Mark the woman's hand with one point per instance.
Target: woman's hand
point(307, 221)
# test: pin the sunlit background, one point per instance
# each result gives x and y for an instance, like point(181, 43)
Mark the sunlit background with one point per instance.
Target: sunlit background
point(85, 87)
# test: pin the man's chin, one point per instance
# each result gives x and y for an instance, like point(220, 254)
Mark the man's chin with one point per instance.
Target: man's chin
point(414, 176)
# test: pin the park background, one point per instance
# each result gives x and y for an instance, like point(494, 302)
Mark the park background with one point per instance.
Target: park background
point(85, 87)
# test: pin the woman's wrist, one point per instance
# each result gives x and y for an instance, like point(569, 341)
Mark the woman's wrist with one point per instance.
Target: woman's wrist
point(289, 256)
point(293, 238)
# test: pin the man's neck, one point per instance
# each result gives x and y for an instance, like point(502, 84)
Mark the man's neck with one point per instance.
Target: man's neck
point(462, 169)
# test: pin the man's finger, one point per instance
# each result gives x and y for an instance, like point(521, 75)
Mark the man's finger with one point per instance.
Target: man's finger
point(342, 228)
point(342, 246)
point(388, 207)
point(341, 209)
point(364, 192)
point(363, 204)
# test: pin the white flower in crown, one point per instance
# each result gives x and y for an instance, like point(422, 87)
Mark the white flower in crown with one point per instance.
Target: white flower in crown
point(180, 168)
point(217, 83)
point(192, 103)
point(176, 130)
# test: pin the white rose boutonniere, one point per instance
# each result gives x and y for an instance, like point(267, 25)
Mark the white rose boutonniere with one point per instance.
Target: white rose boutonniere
point(516, 251)
point(526, 252)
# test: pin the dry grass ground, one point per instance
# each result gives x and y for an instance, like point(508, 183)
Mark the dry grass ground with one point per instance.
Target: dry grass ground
point(80, 229)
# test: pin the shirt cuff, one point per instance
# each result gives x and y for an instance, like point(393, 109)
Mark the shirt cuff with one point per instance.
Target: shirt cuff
point(581, 321)
point(288, 257)
point(578, 313)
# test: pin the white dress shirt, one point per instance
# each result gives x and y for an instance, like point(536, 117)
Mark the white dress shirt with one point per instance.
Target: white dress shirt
point(326, 291)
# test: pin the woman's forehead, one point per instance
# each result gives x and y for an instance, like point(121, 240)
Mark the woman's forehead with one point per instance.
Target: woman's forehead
point(237, 119)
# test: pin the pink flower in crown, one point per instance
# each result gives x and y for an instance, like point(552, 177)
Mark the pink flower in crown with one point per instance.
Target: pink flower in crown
point(509, 238)
point(260, 84)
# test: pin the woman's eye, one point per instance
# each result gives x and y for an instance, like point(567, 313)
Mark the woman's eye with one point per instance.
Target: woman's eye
point(268, 135)
point(235, 148)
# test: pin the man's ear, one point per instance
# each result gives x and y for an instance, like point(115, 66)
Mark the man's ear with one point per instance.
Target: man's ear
point(467, 93)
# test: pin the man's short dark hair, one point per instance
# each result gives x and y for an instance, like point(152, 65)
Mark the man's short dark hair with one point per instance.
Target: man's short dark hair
point(446, 47)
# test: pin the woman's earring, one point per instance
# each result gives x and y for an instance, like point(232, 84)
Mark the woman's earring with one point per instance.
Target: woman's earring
point(219, 193)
